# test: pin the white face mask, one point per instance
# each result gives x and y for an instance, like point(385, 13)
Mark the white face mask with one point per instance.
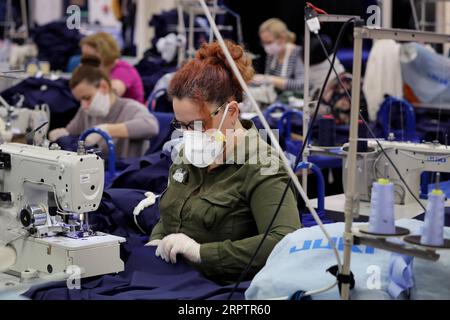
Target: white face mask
point(201, 149)
point(100, 105)
point(273, 49)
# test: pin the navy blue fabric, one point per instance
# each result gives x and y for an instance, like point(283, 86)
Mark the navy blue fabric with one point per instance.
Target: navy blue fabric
point(2, 10)
point(428, 125)
point(149, 173)
point(161, 23)
point(151, 69)
point(55, 93)
point(56, 43)
point(300, 296)
point(68, 143)
point(115, 214)
point(428, 122)
point(163, 104)
point(146, 277)
point(165, 131)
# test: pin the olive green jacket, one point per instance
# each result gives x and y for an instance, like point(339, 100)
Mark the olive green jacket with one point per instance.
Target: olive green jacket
point(227, 210)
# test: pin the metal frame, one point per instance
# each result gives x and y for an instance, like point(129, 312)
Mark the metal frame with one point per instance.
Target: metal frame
point(193, 9)
point(422, 22)
point(307, 99)
point(351, 202)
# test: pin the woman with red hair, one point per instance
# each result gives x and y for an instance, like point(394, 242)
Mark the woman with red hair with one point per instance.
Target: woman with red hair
point(220, 202)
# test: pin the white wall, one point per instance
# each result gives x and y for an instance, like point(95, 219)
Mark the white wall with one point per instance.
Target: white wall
point(146, 9)
point(443, 21)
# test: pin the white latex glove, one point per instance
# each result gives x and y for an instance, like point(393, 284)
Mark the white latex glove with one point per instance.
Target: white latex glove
point(94, 138)
point(153, 243)
point(56, 134)
point(178, 243)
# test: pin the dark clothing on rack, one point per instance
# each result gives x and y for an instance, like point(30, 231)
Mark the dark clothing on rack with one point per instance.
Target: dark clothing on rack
point(128, 8)
point(56, 44)
point(151, 69)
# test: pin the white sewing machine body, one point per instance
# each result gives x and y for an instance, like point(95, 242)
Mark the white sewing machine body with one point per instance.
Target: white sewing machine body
point(411, 159)
point(94, 256)
point(46, 196)
point(16, 121)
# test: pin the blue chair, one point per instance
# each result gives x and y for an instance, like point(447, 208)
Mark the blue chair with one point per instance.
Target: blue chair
point(385, 117)
point(276, 107)
point(285, 130)
point(74, 62)
point(306, 218)
point(158, 101)
point(111, 174)
point(154, 96)
point(293, 147)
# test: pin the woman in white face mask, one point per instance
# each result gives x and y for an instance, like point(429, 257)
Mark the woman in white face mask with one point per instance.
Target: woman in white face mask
point(219, 200)
point(284, 66)
point(127, 121)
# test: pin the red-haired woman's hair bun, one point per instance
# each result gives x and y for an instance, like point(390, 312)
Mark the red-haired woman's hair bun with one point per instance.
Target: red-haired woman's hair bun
point(209, 77)
point(214, 51)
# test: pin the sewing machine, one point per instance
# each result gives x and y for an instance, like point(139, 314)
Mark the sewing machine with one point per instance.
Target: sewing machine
point(411, 159)
point(16, 122)
point(45, 197)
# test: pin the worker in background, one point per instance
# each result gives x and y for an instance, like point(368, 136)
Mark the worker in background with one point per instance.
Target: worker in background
point(125, 79)
point(127, 121)
point(214, 213)
point(284, 66)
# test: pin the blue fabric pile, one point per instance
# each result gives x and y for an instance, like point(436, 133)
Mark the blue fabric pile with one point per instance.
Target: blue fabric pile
point(146, 278)
point(56, 43)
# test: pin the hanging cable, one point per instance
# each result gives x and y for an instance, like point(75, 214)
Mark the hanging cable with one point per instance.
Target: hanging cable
point(371, 131)
point(297, 161)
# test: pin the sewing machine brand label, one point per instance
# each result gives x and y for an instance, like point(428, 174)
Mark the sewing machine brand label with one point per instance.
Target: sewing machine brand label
point(438, 159)
point(85, 178)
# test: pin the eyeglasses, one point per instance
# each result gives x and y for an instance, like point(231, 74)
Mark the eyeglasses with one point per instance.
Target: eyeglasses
point(194, 125)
